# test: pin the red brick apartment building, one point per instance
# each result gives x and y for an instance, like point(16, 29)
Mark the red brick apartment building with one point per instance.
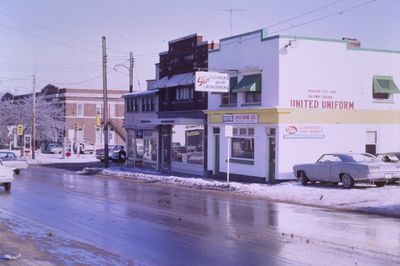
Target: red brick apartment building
point(82, 106)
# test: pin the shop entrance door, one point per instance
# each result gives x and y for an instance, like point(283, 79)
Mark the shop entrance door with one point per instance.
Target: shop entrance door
point(271, 160)
point(216, 154)
point(165, 147)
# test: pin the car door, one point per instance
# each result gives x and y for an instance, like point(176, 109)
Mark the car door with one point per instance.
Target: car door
point(323, 168)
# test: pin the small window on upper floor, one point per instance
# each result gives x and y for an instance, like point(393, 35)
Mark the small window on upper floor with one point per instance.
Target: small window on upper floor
point(230, 98)
point(251, 86)
point(79, 109)
point(383, 88)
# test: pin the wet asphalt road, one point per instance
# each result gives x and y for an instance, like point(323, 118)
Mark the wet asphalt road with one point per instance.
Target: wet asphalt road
point(153, 224)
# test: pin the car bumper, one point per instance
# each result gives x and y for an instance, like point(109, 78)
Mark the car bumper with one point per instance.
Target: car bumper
point(377, 177)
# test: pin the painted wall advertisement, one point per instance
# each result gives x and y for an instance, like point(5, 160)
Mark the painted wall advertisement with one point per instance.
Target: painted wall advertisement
point(322, 99)
point(304, 132)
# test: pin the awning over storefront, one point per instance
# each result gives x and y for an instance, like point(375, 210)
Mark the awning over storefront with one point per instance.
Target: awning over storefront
point(160, 83)
point(140, 94)
point(175, 80)
point(384, 84)
point(251, 83)
point(180, 80)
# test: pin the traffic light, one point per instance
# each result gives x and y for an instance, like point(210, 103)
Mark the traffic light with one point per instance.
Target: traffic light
point(76, 126)
point(98, 120)
point(20, 129)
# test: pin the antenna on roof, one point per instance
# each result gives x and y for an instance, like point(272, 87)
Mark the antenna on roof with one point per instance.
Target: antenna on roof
point(231, 10)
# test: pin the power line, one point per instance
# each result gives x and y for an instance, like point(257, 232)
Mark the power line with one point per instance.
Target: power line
point(341, 12)
point(304, 14)
point(49, 40)
point(73, 83)
point(60, 33)
point(325, 17)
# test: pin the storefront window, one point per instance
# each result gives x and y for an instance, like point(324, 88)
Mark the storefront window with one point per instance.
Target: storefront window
point(243, 148)
point(150, 149)
point(243, 143)
point(188, 144)
point(139, 148)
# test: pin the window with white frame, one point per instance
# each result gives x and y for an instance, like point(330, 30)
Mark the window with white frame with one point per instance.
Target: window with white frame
point(185, 93)
point(230, 97)
point(99, 109)
point(242, 146)
point(79, 109)
point(111, 107)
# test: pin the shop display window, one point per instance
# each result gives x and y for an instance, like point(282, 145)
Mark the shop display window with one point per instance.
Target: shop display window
point(150, 150)
point(243, 148)
point(188, 144)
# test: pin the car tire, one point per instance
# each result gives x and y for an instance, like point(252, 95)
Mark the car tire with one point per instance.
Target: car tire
point(7, 186)
point(380, 184)
point(17, 171)
point(303, 178)
point(347, 181)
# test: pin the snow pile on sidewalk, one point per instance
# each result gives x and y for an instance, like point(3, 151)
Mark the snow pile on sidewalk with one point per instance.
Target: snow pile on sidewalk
point(46, 158)
point(363, 198)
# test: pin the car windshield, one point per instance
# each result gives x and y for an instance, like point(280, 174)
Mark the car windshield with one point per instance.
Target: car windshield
point(54, 145)
point(357, 158)
point(7, 155)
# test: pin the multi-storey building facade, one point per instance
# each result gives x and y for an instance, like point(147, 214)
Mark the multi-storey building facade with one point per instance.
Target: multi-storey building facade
point(81, 108)
point(294, 98)
point(176, 125)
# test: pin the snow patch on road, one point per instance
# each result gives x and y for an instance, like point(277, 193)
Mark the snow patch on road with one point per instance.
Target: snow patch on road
point(363, 198)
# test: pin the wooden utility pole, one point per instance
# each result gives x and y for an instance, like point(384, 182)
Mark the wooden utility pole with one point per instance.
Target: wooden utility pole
point(131, 60)
point(105, 103)
point(33, 139)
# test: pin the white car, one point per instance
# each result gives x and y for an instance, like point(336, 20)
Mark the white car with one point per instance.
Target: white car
point(11, 160)
point(6, 176)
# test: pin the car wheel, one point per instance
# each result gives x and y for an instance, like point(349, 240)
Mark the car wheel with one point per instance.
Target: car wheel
point(17, 171)
point(303, 178)
point(380, 184)
point(7, 186)
point(347, 181)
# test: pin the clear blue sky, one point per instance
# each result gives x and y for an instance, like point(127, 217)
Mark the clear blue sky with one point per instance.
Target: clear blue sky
point(63, 37)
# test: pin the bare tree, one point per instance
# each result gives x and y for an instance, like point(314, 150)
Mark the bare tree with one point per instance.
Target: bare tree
point(49, 120)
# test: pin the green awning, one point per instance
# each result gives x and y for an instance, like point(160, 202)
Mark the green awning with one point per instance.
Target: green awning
point(249, 83)
point(384, 84)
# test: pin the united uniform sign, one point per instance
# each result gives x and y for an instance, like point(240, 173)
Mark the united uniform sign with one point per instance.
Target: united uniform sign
point(211, 82)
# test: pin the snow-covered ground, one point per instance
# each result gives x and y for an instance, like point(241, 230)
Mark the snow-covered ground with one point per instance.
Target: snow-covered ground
point(362, 198)
point(45, 158)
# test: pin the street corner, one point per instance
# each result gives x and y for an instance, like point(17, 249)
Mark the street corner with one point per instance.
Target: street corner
point(17, 250)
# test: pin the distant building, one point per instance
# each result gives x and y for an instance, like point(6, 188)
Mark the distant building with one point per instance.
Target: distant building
point(81, 107)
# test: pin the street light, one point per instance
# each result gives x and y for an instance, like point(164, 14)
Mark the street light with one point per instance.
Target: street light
point(130, 69)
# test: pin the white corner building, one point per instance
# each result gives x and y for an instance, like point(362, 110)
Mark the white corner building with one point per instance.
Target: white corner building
point(294, 98)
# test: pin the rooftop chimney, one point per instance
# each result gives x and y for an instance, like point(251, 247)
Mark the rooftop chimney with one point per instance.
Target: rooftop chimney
point(352, 43)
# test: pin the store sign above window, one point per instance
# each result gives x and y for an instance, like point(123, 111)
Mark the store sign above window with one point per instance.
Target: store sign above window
point(240, 119)
point(211, 82)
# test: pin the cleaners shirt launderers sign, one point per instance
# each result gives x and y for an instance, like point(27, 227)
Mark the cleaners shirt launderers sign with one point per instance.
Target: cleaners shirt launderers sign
point(211, 82)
